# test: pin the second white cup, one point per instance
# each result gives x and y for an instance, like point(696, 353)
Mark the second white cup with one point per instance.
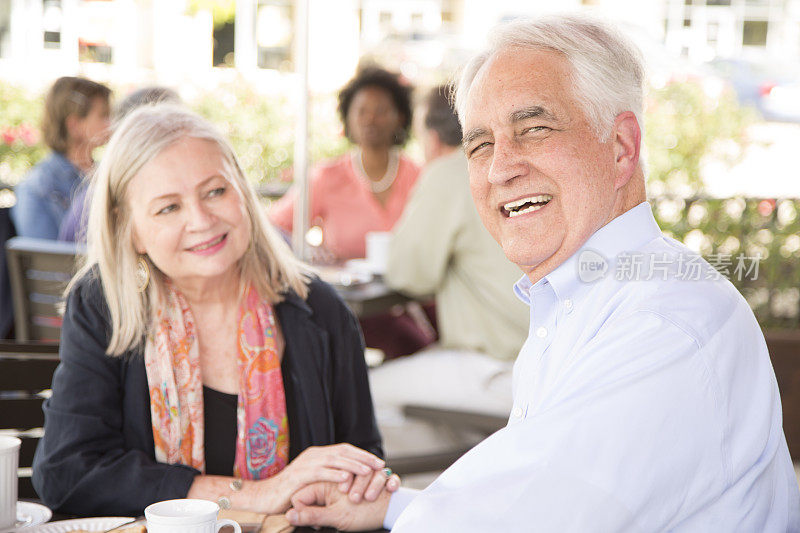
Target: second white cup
point(9, 459)
point(377, 245)
point(186, 516)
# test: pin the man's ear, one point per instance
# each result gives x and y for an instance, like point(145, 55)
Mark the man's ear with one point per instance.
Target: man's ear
point(627, 138)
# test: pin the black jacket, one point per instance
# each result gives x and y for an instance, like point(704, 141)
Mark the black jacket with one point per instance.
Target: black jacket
point(97, 456)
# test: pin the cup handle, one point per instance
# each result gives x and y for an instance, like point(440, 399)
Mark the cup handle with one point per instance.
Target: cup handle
point(226, 522)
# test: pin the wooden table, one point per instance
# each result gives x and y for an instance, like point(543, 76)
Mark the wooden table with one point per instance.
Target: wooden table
point(371, 298)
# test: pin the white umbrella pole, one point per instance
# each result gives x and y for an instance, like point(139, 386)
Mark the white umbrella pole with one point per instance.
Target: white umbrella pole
point(300, 222)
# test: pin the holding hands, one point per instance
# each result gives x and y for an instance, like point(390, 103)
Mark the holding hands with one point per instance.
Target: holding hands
point(323, 504)
point(354, 474)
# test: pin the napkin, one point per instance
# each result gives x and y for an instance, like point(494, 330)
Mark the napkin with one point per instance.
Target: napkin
point(257, 522)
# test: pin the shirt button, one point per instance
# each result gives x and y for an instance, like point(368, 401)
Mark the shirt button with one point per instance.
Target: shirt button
point(517, 412)
point(568, 305)
point(541, 332)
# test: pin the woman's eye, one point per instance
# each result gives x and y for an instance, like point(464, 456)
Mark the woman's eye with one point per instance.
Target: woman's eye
point(168, 209)
point(219, 191)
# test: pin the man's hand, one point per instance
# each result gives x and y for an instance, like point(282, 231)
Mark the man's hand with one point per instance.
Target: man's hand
point(323, 504)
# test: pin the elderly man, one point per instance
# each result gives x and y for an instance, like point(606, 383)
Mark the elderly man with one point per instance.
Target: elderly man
point(642, 402)
point(440, 247)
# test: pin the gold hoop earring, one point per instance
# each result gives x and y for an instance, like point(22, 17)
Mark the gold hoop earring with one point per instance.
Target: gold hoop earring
point(142, 274)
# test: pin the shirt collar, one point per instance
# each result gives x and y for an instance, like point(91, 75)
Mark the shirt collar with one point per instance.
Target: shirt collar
point(66, 166)
point(629, 231)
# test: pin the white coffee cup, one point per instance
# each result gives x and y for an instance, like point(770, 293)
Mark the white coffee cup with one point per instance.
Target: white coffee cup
point(9, 460)
point(185, 516)
point(377, 243)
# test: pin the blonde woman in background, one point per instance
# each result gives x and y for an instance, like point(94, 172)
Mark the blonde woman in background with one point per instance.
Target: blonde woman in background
point(198, 357)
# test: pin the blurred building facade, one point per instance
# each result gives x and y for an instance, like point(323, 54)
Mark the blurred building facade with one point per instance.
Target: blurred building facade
point(170, 41)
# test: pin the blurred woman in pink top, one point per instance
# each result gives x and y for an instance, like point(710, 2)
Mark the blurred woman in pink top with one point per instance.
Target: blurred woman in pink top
point(367, 188)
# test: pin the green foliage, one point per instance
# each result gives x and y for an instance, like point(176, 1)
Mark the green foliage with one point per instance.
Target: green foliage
point(748, 233)
point(684, 125)
point(262, 129)
point(20, 146)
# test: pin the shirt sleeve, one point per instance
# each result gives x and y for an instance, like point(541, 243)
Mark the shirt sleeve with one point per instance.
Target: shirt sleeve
point(589, 453)
point(82, 465)
point(423, 238)
point(399, 500)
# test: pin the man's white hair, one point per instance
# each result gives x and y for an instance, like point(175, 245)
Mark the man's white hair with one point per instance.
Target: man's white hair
point(607, 69)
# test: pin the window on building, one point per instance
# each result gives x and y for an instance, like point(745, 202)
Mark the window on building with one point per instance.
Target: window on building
point(5, 28)
point(416, 20)
point(94, 52)
point(274, 34)
point(754, 33)
point(718, 2)
point(687, 23)
point(448, 12)
point(95, 27)
point(51, 23)
point(712, 33)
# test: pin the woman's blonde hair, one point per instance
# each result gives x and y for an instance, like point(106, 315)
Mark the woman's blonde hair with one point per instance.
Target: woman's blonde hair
point(268, 262)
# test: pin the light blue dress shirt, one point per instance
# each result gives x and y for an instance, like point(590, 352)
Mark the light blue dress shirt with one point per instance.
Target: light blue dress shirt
point(644, 400)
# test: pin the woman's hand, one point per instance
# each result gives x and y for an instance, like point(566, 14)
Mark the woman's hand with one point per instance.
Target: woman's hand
point(338, 463)
point(370, 486)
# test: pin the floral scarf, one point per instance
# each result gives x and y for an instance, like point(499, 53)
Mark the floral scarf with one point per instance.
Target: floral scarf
point(172, 361)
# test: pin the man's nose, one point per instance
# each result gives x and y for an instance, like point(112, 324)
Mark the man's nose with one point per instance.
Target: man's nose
point(508, 161)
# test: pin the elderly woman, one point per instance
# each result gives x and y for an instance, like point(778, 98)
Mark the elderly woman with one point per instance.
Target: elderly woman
point(198, 357)
point(75, 122)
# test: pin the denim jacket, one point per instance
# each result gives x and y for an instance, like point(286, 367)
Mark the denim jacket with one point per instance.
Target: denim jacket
point(44, 197)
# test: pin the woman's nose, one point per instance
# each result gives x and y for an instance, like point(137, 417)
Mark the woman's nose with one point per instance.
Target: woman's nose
point(198, 217)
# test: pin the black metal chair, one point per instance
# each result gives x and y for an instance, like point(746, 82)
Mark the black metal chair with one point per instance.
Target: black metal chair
point(39, 270)
point(26, 374)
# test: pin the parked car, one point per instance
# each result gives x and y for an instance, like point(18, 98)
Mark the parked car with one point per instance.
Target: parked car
point(767, 85)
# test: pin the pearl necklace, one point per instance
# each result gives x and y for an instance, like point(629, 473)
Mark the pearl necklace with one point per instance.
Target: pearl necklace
point(388, 178)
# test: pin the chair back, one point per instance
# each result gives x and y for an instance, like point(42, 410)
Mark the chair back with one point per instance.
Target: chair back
point(39, 270)
point(784, 351)
point(26, 374)
point(7, 231)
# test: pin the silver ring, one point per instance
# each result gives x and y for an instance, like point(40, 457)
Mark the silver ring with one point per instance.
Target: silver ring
point(388, 472)
point(224, 503)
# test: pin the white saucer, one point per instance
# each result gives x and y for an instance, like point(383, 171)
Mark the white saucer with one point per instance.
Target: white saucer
point(365, 265)
point(29, 514)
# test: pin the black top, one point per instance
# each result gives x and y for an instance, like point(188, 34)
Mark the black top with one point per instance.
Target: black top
point(219, 426)
point(97, 455)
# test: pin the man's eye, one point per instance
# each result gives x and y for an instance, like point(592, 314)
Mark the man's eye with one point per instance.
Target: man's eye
point(168, 209)
point(535, 129)
point(475, 149)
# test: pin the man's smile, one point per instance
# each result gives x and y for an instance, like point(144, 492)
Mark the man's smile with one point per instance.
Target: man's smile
point(525, 205)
